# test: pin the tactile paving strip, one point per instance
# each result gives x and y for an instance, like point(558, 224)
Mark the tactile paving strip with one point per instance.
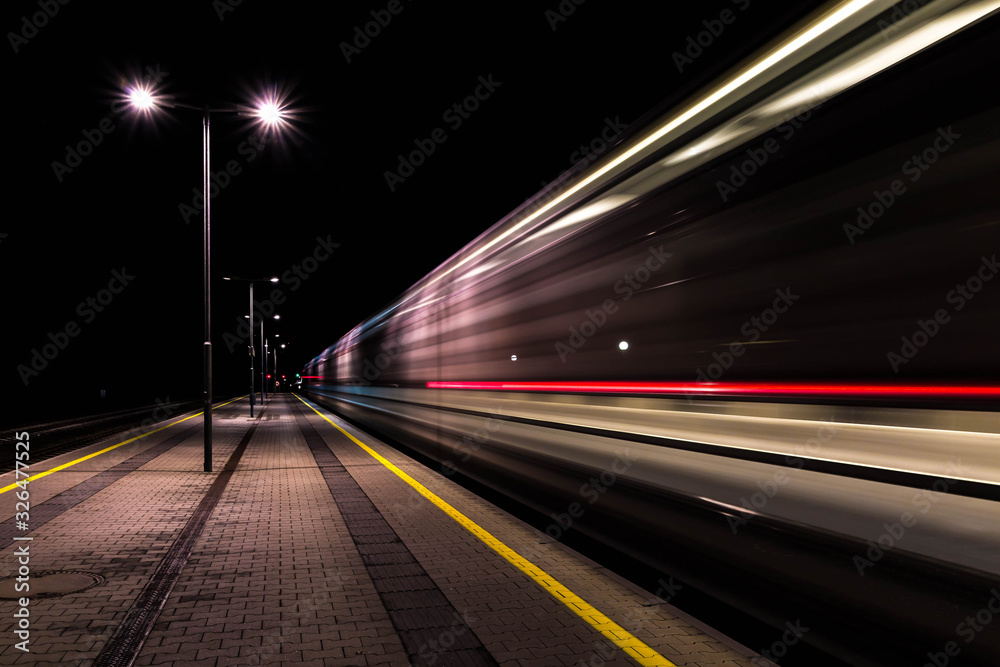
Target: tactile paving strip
point(124, 646)
point(430, 628)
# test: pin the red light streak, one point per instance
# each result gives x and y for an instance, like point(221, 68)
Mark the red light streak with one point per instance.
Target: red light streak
point(736, 388)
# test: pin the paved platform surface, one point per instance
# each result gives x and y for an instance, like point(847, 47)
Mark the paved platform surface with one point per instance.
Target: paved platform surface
point(310, 543)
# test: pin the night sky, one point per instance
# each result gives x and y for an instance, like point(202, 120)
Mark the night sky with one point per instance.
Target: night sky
point(105, 201)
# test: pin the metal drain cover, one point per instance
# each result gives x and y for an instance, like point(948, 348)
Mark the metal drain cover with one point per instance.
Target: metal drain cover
point(51, 584)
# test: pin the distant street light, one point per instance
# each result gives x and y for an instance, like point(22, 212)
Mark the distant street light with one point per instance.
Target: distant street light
point(275, 353)
point(269, 111)
point(263, 366)
point(253, 391)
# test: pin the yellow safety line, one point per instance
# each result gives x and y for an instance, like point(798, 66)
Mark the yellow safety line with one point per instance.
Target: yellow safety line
point(90, 456)
point(636, 649)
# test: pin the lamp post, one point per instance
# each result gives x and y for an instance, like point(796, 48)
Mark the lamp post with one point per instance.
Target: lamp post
point(282, 346)
point(274, 351)
point(276, 361)
point(271, 114)
point(253, 390)
point(263, 366)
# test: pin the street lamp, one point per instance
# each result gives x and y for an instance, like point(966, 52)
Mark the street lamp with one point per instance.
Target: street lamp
point(270, 112)
point(275, 353)
point(141, 98)
point(253, 391)
point(266, 352)
point(263, 365)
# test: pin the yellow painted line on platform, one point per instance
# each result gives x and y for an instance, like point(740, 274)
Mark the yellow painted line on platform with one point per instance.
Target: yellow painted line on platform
point(629, 643)
point(108, 449)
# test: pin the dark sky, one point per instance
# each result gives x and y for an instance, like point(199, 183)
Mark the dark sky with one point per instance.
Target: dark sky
point(558, 81)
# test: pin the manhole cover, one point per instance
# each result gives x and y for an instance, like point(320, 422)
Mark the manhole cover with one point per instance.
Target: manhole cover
point(50, 584)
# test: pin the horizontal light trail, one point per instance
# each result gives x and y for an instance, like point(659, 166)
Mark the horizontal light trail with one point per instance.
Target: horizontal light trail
point(738, 388)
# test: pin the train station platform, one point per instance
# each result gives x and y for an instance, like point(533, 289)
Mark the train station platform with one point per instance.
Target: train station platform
point(311, 543)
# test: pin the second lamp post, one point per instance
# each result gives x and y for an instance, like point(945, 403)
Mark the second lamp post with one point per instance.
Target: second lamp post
point(253, 390)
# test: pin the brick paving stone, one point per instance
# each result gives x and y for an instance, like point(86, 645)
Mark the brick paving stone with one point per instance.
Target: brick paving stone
point(275, 577)
point(110, 533)
point(279, 530)
point(490, 592)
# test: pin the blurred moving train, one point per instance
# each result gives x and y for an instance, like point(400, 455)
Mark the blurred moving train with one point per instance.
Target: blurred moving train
point(751, 345)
